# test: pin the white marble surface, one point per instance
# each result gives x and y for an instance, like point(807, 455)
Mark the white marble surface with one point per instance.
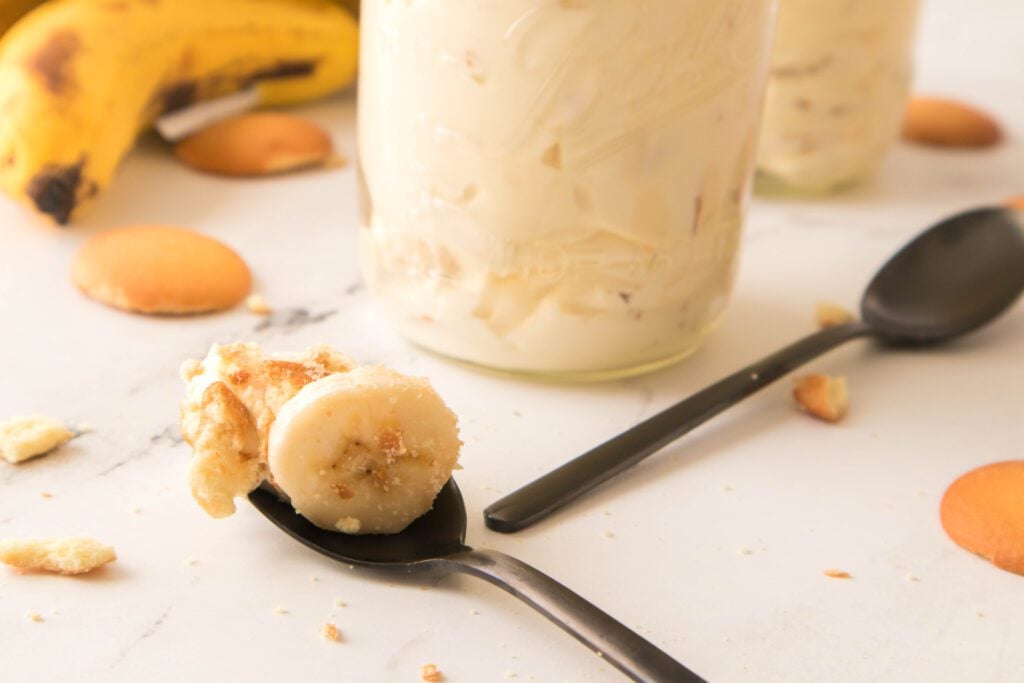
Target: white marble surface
point(659, 549)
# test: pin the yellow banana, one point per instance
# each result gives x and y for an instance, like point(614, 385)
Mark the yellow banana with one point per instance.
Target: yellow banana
point(79, 79)
point(352, 5)
point(12, 10)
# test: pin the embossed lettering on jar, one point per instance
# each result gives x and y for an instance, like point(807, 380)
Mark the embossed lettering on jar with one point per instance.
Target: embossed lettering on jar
point(558, 186)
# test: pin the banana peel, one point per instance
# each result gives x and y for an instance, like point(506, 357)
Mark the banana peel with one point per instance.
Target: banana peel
point(12, 10)
point(351, 5)
point(80, 79)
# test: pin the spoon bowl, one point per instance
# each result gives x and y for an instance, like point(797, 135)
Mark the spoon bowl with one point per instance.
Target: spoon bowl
point(440, 532)
point(950, 280)
point(436, 543)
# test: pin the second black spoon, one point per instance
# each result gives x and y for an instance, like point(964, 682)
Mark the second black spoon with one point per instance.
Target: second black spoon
point(950, 280)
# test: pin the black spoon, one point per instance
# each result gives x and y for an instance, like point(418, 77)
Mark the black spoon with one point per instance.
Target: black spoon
point(950, 280)
point(435, 543)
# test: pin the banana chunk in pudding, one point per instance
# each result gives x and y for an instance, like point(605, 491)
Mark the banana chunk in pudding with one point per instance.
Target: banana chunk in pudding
point(362, 450)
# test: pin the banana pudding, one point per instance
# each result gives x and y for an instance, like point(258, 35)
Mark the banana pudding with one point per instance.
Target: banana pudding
point(839, 80)
point(558, 187)
point(357, 449)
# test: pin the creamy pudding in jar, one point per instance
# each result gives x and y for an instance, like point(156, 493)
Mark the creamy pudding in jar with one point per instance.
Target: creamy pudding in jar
point(558, 186)
point(839, 81)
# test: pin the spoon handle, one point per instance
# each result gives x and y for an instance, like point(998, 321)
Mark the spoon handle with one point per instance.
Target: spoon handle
point(550, 492)
point(617, 644)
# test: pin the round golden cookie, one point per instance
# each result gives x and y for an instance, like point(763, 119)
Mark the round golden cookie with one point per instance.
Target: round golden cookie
point(260, 143)
point(983, 511)
point(160, 269)
point(943, 122)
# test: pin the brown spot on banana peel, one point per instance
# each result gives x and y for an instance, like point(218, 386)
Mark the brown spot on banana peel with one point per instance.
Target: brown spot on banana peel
point(176, 96)
point(187, 92)
point(51, 63)
point(54, 190)
point(295, 68)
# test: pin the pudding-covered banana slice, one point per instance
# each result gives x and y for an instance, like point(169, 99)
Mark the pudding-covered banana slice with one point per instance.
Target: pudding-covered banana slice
point(364, 452)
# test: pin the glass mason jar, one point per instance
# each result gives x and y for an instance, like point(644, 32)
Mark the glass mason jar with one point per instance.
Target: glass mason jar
point(558, 186)
point(840, 76)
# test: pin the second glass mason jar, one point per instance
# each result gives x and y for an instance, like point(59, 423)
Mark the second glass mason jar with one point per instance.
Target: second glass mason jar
point(558, 186)
point(840, 75)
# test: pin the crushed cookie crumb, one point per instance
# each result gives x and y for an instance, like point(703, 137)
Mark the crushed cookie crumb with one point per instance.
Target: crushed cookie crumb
point(744, 550)
point(330, 632)
point(828, 315)
point(390, 441)
point(240, 377)
point(258, 305)
point(911, 577)
point(66, 556)
point(838, 574)
point(280, 610)
point(44, 494)
point(430, 673)
point(822, 396)
point(348, 525)
point(609, 534)
point(29, 436)
point(340, 603)
point(344, 492)
point(34, 617)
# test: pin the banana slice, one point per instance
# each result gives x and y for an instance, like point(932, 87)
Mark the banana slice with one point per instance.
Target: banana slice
point(364, 452)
